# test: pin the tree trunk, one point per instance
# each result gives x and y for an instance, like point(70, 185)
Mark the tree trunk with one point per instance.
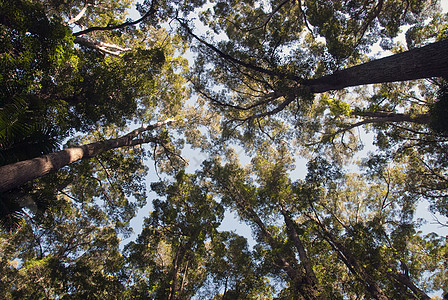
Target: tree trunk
point(174, 276)
point(386, 117)
point(425, 62)
point(311, 276)
point(352, 263)
point(106, 48)
point(287, 263)
point(404, 280)
point(16, 174)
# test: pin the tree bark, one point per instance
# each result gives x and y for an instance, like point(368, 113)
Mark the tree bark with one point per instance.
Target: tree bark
point(425, 62)
point(352, 263)
point(311, 276)
point(404, 280)
point(16, 174)
point(390, 117)
point(174, 276)
point(106, 48)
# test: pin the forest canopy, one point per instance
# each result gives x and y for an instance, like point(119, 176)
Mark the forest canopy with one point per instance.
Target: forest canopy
point(104, 103)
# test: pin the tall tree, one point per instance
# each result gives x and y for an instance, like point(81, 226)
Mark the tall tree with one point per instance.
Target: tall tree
point(52, 88)
point(169, 254)
point(16, 174)
point(366, 231)
point(68, 251)
point(80, 67)
point(272, 61)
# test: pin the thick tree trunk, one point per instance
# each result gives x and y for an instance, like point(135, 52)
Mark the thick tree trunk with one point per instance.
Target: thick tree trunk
point(386, 117)
point(16, 174)
point(425, 62)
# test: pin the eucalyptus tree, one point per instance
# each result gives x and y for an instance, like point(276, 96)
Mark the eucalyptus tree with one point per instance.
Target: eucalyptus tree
point(332, 235)
point(84, 88)
point(75, 67)
point(168, 257)
point(280, 70)
point(68, 251)
point(269, 59)
point(234, 271)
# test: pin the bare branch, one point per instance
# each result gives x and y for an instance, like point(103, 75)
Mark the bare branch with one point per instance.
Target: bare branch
point(374, 15)
point(150, 12)
point(268, 99)
point(69, 196)
point(79, 15)
point(144, 128)
point(235, 60)
point(299, 3)
point(263, 131)
point(106, 48)
point(278, 109)
point(269, 17)
point(437, 221)
point(413, 131)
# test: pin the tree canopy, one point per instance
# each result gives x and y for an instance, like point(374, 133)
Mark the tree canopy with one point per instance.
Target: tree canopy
point(102, 109)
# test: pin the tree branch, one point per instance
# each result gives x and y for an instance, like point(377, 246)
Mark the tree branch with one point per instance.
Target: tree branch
point(235, 60)
point(150, 12)
point(375, 14)
point(299, 3)
point(106, 48)
point(269, 17)
point(278, 109)
point(383, 117)
point(79, 15)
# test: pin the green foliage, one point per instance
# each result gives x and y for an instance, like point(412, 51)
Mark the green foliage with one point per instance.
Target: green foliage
point(169, 253)
point(330, 235)
point(20, 138)
point(70, 253)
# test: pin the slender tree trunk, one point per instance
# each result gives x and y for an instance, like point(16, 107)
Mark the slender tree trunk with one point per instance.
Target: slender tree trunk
point(106, 48)
point(425, 62)
point(174, 276)
point(311, 276)
point(16, 174)
point(403, 279)
point(288, 267)
point(184, 277)
point(288, 264)
point(352, 263)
